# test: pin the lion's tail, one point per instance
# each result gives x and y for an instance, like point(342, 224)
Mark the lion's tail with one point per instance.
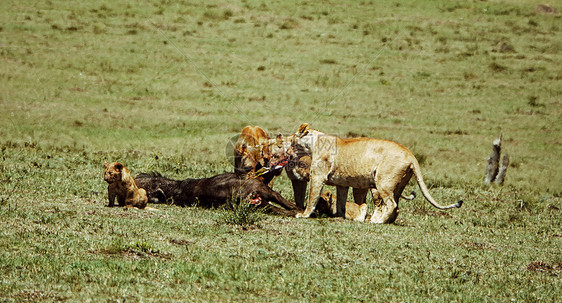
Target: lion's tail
point(425, 190)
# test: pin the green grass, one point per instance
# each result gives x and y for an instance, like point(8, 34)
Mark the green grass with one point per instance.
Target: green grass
point(240, 213)
point(164, 85)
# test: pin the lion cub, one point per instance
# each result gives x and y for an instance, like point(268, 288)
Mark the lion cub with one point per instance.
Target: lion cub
point(353, 211)
point(123, 187)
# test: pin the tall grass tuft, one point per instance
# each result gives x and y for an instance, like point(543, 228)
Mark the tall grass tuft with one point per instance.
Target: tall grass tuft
point(240, 213)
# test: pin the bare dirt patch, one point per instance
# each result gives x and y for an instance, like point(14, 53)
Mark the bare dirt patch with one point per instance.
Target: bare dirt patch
point(133, 251)
point(542, 266)
point(546, 9)
point(31, 295)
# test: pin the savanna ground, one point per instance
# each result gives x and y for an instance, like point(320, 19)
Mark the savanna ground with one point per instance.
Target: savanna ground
point(163, 86)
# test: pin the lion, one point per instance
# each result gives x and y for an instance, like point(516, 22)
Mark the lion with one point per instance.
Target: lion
point(123, 187)
point(298, 171)
point(252, 155)
point(353, 211)
point(361, 163)
point(296, 164)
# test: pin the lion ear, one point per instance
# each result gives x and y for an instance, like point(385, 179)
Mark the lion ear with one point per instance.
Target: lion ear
point(279, 139)
point(105, 164)
point(269, 142)
point(304, 128)
point(119, 166)
point(326, 195)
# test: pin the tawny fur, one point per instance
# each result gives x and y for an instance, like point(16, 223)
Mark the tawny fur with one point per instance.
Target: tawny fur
point(298, 171)
point(353, 211)
point(122, 187)
point(363, 164)
point(249, 153)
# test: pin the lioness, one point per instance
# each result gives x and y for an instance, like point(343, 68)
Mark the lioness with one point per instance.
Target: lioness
point(298, 171)
point(361, 163)
point(251, 154)
point(123, 187)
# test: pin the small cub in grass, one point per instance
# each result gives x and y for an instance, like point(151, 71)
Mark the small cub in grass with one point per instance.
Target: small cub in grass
point(123, 187)
point(353, 211)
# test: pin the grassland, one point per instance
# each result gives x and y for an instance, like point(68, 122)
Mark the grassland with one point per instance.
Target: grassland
point(163, 85)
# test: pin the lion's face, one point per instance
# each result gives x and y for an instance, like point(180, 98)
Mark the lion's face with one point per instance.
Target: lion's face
point(302, 142)
point(327, 196)
point(113, 171)
point(249, 158)
point(250, 149)
point(277, 152)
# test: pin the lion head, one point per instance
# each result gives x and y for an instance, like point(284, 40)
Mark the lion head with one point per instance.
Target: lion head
point(113, 171)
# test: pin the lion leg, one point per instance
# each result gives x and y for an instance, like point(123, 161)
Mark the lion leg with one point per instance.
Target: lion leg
point(363, 208)
point(299, 190)
point(387, 211)
point(122, 197)
point(142, 198)
point(376, 197)
point(316, 187)
point(341, 199)
point(360, 195)
point(377, 213)
point(111, 196)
